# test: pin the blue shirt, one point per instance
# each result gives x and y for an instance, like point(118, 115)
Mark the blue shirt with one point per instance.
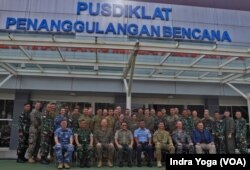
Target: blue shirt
point(142, 135)
point(202, 136)
point(63, 135)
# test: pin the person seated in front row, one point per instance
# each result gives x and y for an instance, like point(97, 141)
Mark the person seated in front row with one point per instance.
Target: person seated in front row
point(182, 140)
point(104, 140)
point(162, 140)
point(84, 142)
point(124, 141)
point(203, 140)
point(143, 143)
point(64, 142)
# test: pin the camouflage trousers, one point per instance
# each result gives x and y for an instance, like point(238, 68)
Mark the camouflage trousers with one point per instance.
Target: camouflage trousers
point(84, 152)
point(23, 143)
point(64, 153)
point(241, 144)
point(220, 144)
point(34, 142)
point(185, 149)
point(45, 144)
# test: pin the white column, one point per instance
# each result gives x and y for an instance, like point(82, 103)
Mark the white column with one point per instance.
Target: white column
point(128, 101)
point(128, 96)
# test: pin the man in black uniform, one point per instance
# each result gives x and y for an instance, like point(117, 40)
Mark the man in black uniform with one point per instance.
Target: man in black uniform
point(23, 132)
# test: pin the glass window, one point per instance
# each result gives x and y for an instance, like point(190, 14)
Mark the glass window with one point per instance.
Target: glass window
point(5, 129)
point(6, 115)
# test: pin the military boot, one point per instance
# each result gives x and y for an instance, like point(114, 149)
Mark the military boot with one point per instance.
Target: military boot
point(81, 164)
point(31, 160)
point(44, 160)
point(110, 163)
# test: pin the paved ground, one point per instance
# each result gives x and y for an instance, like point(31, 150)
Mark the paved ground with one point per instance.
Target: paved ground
point(12, 165)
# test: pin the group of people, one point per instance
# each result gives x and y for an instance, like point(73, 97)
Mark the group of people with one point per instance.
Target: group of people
point(110, 131)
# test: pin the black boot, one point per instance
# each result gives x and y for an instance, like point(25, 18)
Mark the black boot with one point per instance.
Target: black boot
point(149, 164)
point(20, 160)
point(44, 161)
point(87, 163)
point(81, 164)
point(120, 164)
point(130, 164)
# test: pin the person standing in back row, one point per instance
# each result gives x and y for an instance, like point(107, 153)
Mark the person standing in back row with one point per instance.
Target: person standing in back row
point(23, 129)
point(229, 133)
point(241, 133)
point(34, 132)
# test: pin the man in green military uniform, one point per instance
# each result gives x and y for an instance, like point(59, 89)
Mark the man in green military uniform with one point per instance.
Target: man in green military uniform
point(47, 128)
point(207, 121)
point(34, 132)
point(110, 118)
point(23, 129)
point(229, 133)
point(97, 120)
point(241, 133)
point(162, 140)
point(84, 142)
point(124, 141)
point(73, 120)
point(187, 122)
point(104, 139)
point(87, 117)
point(171, 120)
point(218, 133)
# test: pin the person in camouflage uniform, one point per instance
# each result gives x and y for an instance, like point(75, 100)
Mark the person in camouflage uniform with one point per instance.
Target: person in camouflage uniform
point(127, 116)
point(187, 122)
point(118, 123)
point(124, 141)
point(73, 120)
point(171, 120)
point(162, 140)
point(97, 120)
point(104, 140)
point(110, 118)
point(159, 118)
point(84, 143)
point(140, 115)
point(34, 132)
point(218, 133)
point(229, 133)
point(182, 140)
point(133, 123)
point(207, 121)
point(46, 134)
point(149, 121)
point(241, 133)
point(23, 129)
point(195, 118)
point(87, 117)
